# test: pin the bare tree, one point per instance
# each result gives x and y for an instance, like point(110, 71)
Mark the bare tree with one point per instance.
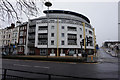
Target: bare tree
point(13, 9)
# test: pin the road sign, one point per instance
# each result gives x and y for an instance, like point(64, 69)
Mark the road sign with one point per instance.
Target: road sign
point(14, 46)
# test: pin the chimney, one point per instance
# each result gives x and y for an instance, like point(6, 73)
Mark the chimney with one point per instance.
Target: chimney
point(18, 23)
point(12, 25)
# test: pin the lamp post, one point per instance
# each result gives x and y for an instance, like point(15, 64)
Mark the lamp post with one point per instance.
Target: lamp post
point(48, 4)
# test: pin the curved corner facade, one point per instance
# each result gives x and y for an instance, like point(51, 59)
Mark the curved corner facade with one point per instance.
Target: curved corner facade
point(60, 33)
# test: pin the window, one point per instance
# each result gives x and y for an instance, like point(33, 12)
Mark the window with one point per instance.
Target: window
point(21, 28)
point(72, 28)
point(52, 51)
point(42, 42)
point(9, 35)
point(21, 33)
point(15, 35)
point(43, 27)
point(80, 29)
point(25, 27)
point(52, 34)
point(15, 40)
point(72, 42)
point(52, 27)
point(90, 32)
point(62, 34)
point(52, 21)
point(20, 49)
point(43, 52)
point(52, 42)
point(62, 27)
point(24, 33)
point(80, 36)
point(86, 30)
point(4, 36)
point(24, 40)
point(62, 43)
point(21, 41)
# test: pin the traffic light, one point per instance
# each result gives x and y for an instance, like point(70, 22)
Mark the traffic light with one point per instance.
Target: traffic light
point(87, 39)
point(83, 42)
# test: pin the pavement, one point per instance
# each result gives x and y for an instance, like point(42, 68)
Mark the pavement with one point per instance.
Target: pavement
point(105, 69)
point(111, 52)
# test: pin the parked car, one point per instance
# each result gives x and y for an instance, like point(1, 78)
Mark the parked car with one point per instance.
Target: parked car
point(3, 53)
point(14, 52)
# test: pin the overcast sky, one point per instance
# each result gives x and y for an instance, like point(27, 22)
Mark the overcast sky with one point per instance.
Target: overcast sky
point(103, 15)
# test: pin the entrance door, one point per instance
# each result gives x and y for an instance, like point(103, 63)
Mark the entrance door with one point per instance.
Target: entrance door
point(43, 52)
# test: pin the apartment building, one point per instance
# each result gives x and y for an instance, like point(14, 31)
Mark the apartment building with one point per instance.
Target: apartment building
point(0, 40)
point(59, 33)
point(14, 39)
point(7, 38)
point(30, 44)
point(22, 38)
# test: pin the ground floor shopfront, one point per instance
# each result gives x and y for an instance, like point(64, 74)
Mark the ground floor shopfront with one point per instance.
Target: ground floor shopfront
point(59, 51)
point(9, 50)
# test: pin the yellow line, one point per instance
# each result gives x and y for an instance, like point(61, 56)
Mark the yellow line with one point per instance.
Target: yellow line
point(57, 37)
point(84, 35)
point(53, 61)
point(94, 42)
point(90, 63)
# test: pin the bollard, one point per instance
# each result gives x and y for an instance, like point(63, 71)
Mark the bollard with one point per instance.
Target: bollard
point(49, 77)
point(91, 58)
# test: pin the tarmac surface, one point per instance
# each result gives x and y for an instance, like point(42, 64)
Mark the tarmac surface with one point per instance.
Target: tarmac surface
point(106, 68)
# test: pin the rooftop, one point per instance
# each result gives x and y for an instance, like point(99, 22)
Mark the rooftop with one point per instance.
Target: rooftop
point(67, 12)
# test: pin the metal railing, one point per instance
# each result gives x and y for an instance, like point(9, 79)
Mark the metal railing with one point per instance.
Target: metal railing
point(72, 37)
point(31, 44)
point(6, 77)
point(31, 30)
point(31, 37)
point(42, 36)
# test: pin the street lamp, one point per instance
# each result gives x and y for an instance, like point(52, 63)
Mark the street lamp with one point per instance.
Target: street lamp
point(48, 4)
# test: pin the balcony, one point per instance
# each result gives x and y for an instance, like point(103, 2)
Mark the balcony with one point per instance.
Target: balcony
point(72, 37)
point(72, 30)
point(31, 44)
point(31, 52)
point(72, 43)
point(42, 36)
point(40, 43)
point(42, 28)
point(21, 35)
point(31, 30)
point(31, 37)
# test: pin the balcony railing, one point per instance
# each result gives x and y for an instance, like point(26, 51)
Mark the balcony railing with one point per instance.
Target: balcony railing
point(42, 36)
point(31, 52)
point(31, 30)
point(72, 43)
point(31, 37)
point(72, 37)
point(41, 43)
point(42, 28)
point(72, 30)
point(31, 44)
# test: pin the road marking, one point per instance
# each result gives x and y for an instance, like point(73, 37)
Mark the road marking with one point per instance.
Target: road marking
point(41, 67)
point(31, 66)
point(22, 65)
point(92, 63)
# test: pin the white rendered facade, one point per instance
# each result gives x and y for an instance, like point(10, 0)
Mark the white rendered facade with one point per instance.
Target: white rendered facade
point(0, 40)
point(65, 32)
point(14, 35)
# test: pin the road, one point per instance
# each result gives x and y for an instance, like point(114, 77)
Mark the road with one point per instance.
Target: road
point(106, 68)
